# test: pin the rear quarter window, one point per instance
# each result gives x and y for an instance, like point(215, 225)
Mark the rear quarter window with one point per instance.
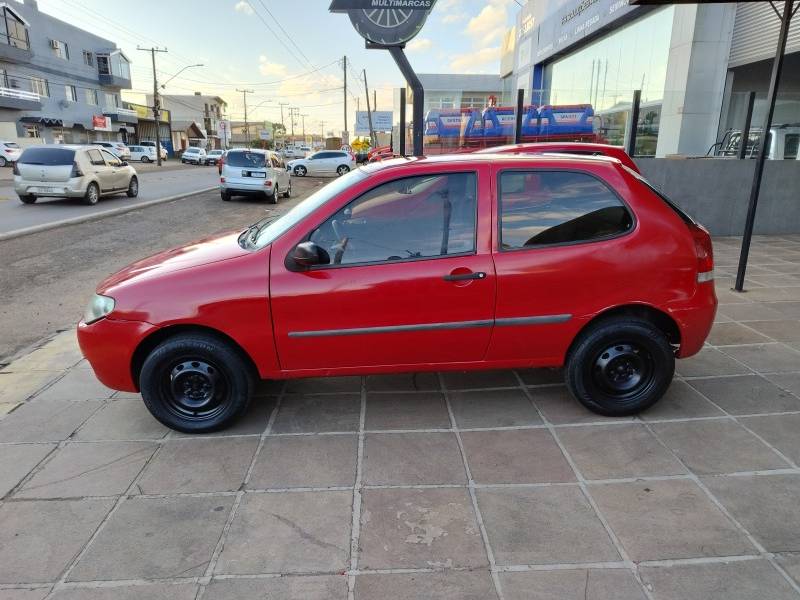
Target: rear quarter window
point(47, 156)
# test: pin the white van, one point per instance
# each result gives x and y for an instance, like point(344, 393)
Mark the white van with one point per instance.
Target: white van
point(251, 171)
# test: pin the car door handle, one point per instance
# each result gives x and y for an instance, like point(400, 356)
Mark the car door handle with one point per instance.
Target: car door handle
point(465, 276)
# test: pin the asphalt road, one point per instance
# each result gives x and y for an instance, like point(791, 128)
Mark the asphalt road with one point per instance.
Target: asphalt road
point(153, 184)
point(46, 278)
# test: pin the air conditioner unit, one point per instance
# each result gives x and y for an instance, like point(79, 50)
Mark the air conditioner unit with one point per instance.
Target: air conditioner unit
point(55, 44)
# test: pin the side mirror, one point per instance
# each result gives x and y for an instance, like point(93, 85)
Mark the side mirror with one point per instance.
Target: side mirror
point(124, 163)
point(308, 254)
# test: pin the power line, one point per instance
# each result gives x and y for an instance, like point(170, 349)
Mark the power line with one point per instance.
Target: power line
point(291, 41)
point(261, 83)
point(275, 35)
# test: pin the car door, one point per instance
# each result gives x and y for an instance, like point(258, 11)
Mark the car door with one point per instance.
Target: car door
point(102, 172)
point(410, 279)
point(117, 175)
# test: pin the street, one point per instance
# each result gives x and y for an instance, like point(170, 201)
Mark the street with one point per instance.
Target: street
point(48, 277)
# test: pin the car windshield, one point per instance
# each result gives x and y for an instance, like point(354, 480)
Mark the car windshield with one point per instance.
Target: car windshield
point(253, 160)
point(47, 156)
point(271, 230)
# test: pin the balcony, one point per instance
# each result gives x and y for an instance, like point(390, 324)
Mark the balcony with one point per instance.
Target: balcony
point(14, 49)
point(19, 99)
point(121, 115)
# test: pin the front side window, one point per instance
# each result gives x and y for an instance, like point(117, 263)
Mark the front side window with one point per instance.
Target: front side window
point(540, 208)
point(111, 160)
point(95, 157)
point(415, 217)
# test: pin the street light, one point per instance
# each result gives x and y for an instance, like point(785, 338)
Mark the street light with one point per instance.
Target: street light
point(164, 85)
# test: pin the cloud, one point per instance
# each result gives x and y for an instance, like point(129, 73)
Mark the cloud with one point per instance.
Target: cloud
point(419, 45)
point(243, 6)
point(490, 24)
point(265, 67)
point(475, 61)
point(454, 18)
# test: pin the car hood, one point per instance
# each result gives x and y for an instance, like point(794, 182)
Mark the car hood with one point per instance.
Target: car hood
point(202, 252)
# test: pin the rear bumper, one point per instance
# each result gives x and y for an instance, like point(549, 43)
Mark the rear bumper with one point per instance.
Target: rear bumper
point(696, 319)
point(241, 187)
point(74, 188)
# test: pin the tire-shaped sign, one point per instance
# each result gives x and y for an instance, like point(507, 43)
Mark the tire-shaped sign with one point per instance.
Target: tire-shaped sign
point(389, 26)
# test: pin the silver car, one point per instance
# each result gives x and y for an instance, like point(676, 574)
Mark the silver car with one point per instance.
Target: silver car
point(260, 172)
point(62, 171)
point(117, 149)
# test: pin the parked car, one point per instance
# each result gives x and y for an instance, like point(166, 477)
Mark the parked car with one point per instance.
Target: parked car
point(579, 148)
point(118, 149)
point(153, 144)
point(143, 154)
point(325, 162)
point(213, 157)
point(261, 172)
point(194, 155)
point(9, 153)
point(539, 261)
point(87, 172)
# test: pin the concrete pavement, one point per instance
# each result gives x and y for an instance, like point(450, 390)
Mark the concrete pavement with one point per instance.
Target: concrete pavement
point(435, 486)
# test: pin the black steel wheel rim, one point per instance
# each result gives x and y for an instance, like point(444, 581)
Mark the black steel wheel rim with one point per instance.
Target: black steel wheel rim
point(195, 388)
point(623, 370)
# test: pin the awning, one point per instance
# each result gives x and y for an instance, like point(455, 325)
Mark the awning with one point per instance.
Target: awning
point(126, 129)
point(192, 129)
point(47, 122)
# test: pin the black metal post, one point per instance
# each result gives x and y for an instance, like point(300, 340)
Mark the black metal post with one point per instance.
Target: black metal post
point(402, 121)
point(772, 94)
point(751, 99)
point(634, 123)
point(417, 115)
point(519, 116)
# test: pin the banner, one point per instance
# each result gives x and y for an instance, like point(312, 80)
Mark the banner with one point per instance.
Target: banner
point(381, 121)
point(101, 123)
point(265, 134)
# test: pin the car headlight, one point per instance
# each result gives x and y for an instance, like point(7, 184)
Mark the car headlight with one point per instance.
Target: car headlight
point(99, 306)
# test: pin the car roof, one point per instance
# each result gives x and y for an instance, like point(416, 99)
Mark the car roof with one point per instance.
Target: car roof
point(507, 159)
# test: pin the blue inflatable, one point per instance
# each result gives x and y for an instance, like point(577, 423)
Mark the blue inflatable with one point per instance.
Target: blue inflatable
point(567, 119)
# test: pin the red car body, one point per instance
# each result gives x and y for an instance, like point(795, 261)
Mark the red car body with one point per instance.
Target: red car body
point(576, 148)
point(297, 323)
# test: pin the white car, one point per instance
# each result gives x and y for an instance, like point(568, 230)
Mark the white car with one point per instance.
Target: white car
point(117, 148)
point(194, 155)
point(260, 172)
point(324, 162)
point(9, 153)
point(153, 144)
point(144, 154)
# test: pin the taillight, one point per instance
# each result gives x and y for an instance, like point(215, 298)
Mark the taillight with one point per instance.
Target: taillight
point(704, 252)
point(222, 180)
point(76, 170)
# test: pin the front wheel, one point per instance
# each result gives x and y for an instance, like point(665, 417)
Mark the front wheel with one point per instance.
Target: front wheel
point(145, 159)
point(620, 367)
point(195, 383)
point(92, 194)
point(342, 169)
point(300, 171)
point(133, 187)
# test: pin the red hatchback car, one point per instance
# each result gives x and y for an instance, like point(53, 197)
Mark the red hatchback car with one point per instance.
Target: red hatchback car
point(471, 261)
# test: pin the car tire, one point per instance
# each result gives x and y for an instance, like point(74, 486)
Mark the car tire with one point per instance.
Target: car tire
point(620, 366)
point(225, 195)
point(133, 187)
point(300, 171)
point(288, 192)
point(342, 170)
point(28, 198)
point(196, 383)
point(273, 197)
point(145, 159)
point(3, 161)
point(92, 194)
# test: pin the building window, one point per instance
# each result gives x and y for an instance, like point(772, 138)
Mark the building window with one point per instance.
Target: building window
point(91, 97)
point(473, 101)
point(102, 64)
point(60, 49)
point(110, 100)
point(14, 33)
point(39, 86)
point(72, 94)
point(31, 131)
point(88, 58)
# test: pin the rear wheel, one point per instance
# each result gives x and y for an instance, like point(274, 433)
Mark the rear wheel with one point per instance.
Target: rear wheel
point(273, 197)
point(226, 195)
point(133, 187)
point(342, 169)
point(288, 192)
point(195, 383)
point(28, 198)
point(145, 159)
point(3, 161)
point(92, 194)
point(620, 366)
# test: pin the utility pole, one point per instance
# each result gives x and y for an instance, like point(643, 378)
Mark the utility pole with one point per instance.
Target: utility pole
point(156, 100)
point(344, 66)
point(374, 99)
point(322, 129)
point(369, 112)
point(292, 112)
point(246, 124)
point(282, 104)
point(303, 117)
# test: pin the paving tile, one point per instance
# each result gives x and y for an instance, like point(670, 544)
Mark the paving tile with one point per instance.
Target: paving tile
point(403, 382)
point(16, 461)
point(751, 312)
point(426, 410)
point(773, 294)
point(617, 451)
point(766, 358)
point(515, 456)
point(156, 538)
point(306, 461)
point(658, 520)
point(545, 525)
point(77, 384)
point(790, 561)
point(308, 414)
point(765, 505)
point(88, 469)
point(290, 532)
point(156, 591)
point(252, 422)
point(787, 381)
point(492, 408)
point(122, 420)
point(304, 587)
point(419, 528)
point(577, 584)
point(559, 407)
point(18, 386)
point(787, 330)
point(709, 362)
point(45, 421)
point(780, 431)
point(746, 394)
point(38, 539)
point(790, 310)
point(24, 593)
point(57, 355)
point(7, 407)
point(740, 580)
point(541, 376)
point(412, 459)
point(726, 334)
point(726, 296)
point(203, 465)
point(443, 585)
point(716, 447)
point(681, 402)
point(469, 380)
point(323, 385)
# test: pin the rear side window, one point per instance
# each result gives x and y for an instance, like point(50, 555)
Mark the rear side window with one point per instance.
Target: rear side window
point(676, 209)
point(539, 208)
point(251, 160)
point(47, 156)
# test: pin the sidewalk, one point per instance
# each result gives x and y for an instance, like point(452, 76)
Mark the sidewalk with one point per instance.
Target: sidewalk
point(452, 485)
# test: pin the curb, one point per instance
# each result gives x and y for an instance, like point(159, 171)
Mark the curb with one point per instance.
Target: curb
point(97, 216)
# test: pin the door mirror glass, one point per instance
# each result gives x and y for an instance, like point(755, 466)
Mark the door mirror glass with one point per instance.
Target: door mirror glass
point(308, 254)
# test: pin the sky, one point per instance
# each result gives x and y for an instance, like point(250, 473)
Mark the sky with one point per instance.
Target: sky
point(286, 51)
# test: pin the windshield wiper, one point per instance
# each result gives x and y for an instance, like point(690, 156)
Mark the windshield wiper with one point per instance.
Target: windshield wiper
point(250, 235)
